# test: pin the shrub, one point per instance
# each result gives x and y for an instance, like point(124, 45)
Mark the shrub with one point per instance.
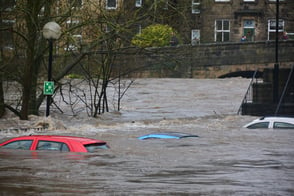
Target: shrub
point(154, 36)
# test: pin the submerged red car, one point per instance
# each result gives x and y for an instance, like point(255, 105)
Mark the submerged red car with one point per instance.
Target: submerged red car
point(54, 143)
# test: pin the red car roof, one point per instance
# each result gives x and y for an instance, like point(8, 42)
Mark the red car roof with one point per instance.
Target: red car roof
point(72, 141)
point(79, 139)
point(82, 140)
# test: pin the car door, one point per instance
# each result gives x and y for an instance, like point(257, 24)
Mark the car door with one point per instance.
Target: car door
point(283, 125)
point(259, 125)
point(23, 144)
point(50, 145)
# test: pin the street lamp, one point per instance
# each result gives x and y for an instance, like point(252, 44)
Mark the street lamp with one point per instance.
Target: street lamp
point(51, 32)
point(276, 66)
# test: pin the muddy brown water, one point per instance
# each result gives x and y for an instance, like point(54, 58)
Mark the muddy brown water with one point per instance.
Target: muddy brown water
point(225, 159)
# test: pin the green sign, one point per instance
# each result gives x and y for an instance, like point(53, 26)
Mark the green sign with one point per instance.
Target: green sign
point(48, 88)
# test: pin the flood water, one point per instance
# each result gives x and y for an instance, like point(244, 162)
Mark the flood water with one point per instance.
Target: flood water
point(225, 159)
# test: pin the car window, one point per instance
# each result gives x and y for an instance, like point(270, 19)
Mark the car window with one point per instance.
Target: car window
point(95, 146)
point(259, 125)
point(64, 148)
point(20, 144)
point(51, 145)
point(283, 125)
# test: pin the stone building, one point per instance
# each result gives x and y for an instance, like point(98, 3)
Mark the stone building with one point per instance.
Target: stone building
point(197, 21)
point(229, 20)
point(207, 21)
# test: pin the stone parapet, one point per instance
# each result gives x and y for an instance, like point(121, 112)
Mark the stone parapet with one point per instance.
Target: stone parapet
point(204, 60)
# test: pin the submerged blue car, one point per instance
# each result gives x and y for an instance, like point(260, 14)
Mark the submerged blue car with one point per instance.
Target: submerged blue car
point(166, 135)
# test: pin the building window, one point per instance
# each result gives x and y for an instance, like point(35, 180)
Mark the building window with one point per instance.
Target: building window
point(111, 4)
point(7, 5)
point(7, 35)
point(138, 3)
point(195, 6)
point(139, 29)
point(273, 1)
point(108, 28)
point(248, 0)
point(41, 13)
point(74, 41)
point(195, 36)
point(222, 0)
point(222, 30)
point(272, 29)
point(165, 6)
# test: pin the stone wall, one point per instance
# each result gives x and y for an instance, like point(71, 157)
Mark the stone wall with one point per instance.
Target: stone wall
point(204, 60)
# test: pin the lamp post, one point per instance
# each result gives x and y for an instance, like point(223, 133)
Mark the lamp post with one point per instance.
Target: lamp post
point(276, 66)
point(51, 32)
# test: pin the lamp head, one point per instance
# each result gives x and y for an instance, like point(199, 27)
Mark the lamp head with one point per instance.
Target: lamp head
point(51, 30)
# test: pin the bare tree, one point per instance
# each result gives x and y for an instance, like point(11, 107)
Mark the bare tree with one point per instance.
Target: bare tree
point(27, 17)
point(105, 33)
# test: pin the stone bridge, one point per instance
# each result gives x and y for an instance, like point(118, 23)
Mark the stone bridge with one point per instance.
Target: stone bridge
point(206, 60)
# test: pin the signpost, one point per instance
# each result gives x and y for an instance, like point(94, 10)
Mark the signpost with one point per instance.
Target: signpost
point(51, 32)
point(48, 88)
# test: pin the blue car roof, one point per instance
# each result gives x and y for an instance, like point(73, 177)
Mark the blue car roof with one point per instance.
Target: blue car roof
point(166, 135)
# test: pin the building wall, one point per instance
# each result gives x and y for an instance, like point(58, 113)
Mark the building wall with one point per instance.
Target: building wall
point(204, 60)
point(179, 15)
point(237, 11)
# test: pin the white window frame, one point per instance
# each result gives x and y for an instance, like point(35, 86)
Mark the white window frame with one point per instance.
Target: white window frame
point(11, 7)
point(41, 13)
point(249, 0)
point(222, 31)
point(195, 6)
point(70, 22)
point(75, 36)
point(248, 24)
point(10, 23)
point(222, 0)
point(139, 29)
point(165, 5)
point(195, 36)
point(111, 8)
point(108, 28)
point(272, 23)
point(138, 3)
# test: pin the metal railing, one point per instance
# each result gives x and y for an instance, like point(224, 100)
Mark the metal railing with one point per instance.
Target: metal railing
point(249, 93)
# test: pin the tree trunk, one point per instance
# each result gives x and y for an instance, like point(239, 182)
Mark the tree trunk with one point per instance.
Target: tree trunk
point(27, 87)
point(29, 77)
point(2, 106)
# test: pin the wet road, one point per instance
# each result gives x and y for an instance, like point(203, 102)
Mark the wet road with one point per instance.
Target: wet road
point(225, 159)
